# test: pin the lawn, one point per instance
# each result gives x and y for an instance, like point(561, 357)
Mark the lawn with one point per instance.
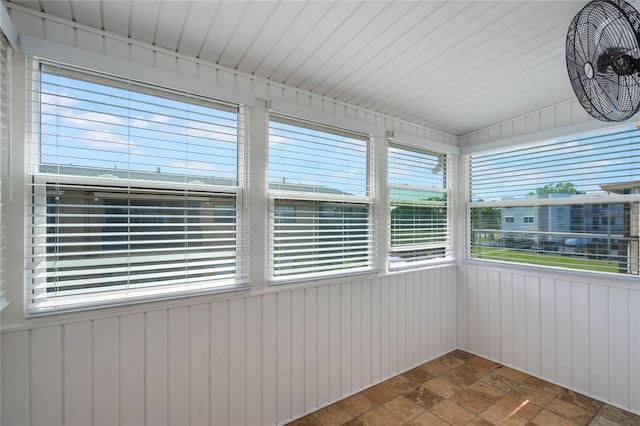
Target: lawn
point(546, 259)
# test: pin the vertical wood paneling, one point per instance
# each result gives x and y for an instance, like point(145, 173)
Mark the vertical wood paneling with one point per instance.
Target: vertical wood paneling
point(297, 352)
point(463, 285)
point(376, 330)
point(219, 365)
point(237, 362)
point(580, 362)
point(506, 319)
point(564, 332)
point(178, 361)
point(106, 367)
point(533, 324)
point(156, 367)
point(356, 335)
point(335, 386)
point(599, 341)
point(483, 313)
point(77, 374)
point(582, 336)
point(493, 293)
point(345, 338)
point(199, 364)
point(46, 376)
point(250, 360)
point(14, 386)
point(634, 350)
point(132, 369)
point(323, 345)
point(548, 337)
point(311, 347)
point(269, 359)
point(283, 343)
point(366, 347)
point(618, 346)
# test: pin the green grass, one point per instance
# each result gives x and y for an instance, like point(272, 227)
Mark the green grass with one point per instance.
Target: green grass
point(545, 259)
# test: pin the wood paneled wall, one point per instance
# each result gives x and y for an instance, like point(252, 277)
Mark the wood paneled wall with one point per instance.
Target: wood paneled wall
point(579, 333)
point(254, 360)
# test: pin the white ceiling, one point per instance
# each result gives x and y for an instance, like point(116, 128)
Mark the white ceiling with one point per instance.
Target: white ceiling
point(453, 66)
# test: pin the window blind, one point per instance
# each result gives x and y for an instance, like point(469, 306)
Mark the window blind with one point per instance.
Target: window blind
point(135, 192)
point(5, 136)
point(569, 203)
point(321, 207)
point(419, 210)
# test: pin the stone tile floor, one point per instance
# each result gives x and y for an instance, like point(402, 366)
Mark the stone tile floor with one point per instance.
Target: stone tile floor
point(463, 389)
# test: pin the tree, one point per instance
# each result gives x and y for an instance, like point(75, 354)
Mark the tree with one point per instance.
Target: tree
point(558, 188)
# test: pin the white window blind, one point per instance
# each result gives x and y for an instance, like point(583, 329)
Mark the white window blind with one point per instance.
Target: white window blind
point(321, 206)
point(5, 136)
point(569, 203)
point(135, 192)
point(419, 210)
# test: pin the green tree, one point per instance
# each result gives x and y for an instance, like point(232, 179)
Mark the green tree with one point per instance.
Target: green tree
point(558, 188)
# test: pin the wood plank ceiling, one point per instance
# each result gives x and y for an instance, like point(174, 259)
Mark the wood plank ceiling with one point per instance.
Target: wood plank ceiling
point(454, 66)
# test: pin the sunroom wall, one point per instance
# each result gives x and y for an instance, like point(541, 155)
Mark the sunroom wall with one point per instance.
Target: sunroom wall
point(578, 329)
point(263, 356)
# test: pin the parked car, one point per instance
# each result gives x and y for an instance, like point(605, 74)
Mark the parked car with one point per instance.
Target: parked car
point(543, 246)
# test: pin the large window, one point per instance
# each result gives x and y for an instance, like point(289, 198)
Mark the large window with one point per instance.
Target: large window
point(135, 192)
point(569, 203)
point(418, 195)
point(320, 201)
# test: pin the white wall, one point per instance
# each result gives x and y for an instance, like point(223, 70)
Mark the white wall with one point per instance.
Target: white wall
point(578, 331)
point(259, 357)
point(253, 360)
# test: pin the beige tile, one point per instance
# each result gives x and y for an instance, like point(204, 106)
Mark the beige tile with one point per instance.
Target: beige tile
point(602, 421)
point(380, 416)
point(544, 386)
point(512, 374)
point(452, 413)
point(473, 400)
point(381, 393)
point(488, 390)
point(435, 368)
point(427, 419)
point(499, 381)
point(483, 363)
point(400, 383)
point(588, 404)
point(417, 376)
point(465, 356)
point(547, 418)
point(532, 393)
point(442, 387)
point(333, 415)
point(621, 417)
point(450, 361)
point(499, 415)
point(423, 397)
point(404, 408)
point(522, 408)
point(470, 372)
point(479, 421)
point(569, 411)
point(358, 404)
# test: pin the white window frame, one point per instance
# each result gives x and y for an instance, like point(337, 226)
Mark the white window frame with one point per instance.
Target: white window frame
point(316, 198)
point(398, 263)
point(39, 181)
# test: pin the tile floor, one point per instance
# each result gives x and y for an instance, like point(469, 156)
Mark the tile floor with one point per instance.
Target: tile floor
point(463, 389)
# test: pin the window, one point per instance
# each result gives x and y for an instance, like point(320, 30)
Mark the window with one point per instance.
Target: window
point(418, 195)
point(135, 192)
point(320, 201)
point(5, 98)
point(509, 219)
point(528, 219)
point(592, 178)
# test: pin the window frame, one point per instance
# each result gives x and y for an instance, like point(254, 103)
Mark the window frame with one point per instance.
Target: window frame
point(277, 195)
point(39, 181)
